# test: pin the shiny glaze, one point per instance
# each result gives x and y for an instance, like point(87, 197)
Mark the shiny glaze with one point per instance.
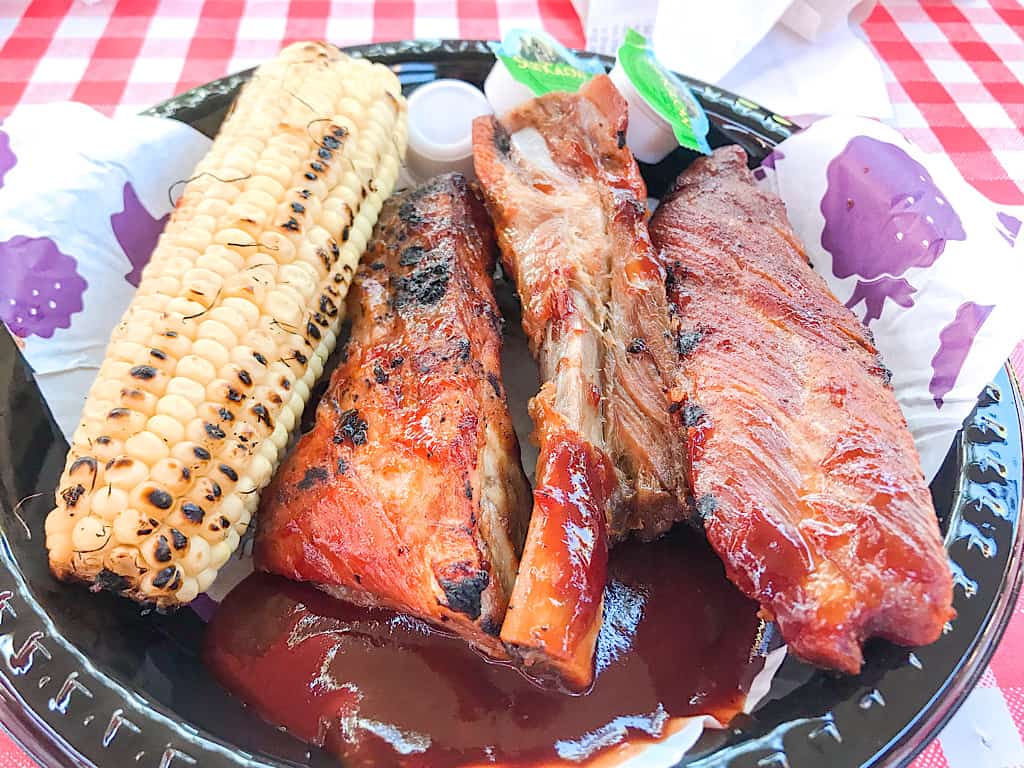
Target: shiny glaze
point(568, 204)
point(802, 467)
point(564, 569)
point(378, 688)
point(408, 491)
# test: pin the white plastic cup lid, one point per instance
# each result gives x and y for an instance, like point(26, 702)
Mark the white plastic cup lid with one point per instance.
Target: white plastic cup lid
point(441, 117)
point(649, 135)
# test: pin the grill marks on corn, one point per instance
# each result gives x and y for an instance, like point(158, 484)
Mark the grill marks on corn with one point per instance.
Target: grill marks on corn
point(232, 323)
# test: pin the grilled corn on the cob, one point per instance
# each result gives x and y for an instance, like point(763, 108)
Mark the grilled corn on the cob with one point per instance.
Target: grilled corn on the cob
point(238, 308)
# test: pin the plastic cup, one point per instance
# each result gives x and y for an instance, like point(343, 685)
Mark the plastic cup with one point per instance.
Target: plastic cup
point(503, 91)
point(649, 136)
point(441, 117)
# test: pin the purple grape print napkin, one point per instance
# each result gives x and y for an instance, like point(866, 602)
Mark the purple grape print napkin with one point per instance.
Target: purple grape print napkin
point(922, 258)
point(83, 198)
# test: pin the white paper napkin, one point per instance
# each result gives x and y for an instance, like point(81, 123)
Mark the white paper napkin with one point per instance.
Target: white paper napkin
point(795, 57)
point(82, 201)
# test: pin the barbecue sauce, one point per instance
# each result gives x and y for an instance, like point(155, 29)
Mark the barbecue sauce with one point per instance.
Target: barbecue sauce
point(376, 687)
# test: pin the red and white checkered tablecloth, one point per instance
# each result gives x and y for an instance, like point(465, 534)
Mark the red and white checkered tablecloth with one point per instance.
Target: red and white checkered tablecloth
point(954, 72)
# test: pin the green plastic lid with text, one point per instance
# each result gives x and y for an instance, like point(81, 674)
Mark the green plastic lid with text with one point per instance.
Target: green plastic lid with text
point(531, 64)
point(662, 107)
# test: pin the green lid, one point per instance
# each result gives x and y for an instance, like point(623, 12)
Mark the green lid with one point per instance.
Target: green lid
point(665, 93)
point(543, 64)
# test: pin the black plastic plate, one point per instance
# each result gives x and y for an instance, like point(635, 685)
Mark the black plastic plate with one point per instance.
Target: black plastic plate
point(86, 680)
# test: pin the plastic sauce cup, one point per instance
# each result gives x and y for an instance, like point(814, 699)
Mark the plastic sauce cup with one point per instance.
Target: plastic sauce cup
point(503, 91)
point(649, 135)
point(441, 128)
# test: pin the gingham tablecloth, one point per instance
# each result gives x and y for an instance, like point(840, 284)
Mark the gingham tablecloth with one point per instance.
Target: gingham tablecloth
point(954, 72)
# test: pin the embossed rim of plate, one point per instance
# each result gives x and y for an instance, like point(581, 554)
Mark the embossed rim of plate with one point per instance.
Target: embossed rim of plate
point(164, 735)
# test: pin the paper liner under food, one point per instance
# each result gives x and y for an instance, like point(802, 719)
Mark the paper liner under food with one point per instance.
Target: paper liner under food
point(918, 254)
point(682, 733)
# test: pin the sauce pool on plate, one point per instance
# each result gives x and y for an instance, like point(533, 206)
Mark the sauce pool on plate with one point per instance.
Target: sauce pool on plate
point(376, 687)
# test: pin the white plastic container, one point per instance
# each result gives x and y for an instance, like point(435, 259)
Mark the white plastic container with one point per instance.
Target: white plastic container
point(649, 135)
point(503, 91)
point(441, 117)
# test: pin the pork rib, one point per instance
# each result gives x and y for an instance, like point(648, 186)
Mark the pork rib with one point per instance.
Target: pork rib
point(800, 460)
point(567, 200)
point(408, 493)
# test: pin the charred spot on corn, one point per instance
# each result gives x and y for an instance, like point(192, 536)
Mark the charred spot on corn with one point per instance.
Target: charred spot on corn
point(160, 498)
point(83, 461)
point(193, 512)
point(201, 453)
point(379, 374)
point(178, 539)
point(262, 415)
point(636, 346)
point(214, 431)
point(328, 307)
point(143, 372)
point(168, 577)
point(72, 494)
point(162, 549)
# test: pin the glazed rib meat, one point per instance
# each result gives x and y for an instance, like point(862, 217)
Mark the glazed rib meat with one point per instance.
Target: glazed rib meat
point(567, 200)
point(800, 460)
point(408, 492)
